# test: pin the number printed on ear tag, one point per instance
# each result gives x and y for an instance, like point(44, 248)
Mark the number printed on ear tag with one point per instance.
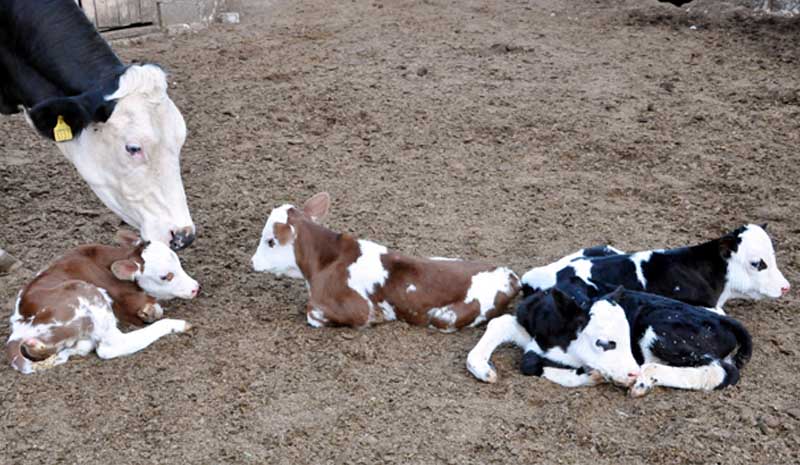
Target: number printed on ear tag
point(62, 131)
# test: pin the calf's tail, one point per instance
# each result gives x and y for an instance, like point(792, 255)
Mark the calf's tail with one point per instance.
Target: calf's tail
point(744, 340)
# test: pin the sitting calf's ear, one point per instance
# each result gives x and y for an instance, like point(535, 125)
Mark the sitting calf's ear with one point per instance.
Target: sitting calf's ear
point(127, 238)
point(728, 245)
point(318, 206)
point(125, 270)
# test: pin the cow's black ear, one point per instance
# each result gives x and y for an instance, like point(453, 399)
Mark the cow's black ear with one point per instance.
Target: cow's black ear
point(763, 226)
point(78, 112)
point(45, 115)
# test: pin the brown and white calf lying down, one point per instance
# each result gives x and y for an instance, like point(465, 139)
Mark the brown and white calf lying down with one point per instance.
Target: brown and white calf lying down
point(72, 307)
point(355, 282)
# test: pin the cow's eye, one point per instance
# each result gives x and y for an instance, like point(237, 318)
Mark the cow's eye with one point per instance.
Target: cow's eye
point(606, 345)
point(133, 149)
point(759, 265)
point(271, 242)
point(168, 277)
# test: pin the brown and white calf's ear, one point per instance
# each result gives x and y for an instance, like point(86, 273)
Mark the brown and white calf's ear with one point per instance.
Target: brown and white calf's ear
point(125, 270)
point(127, 238)
point(317, 206)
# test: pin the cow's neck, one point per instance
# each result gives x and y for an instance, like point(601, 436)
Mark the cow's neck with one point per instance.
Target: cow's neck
point(53, 55)
point(316, 247)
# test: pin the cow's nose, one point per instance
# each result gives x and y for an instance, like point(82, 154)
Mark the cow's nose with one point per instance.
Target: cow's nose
point(182, 238)
point(196, 291)
point(785, 290)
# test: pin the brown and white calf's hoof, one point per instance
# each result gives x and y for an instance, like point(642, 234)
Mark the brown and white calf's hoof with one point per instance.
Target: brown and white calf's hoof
point(150, 313)
point(175, 326)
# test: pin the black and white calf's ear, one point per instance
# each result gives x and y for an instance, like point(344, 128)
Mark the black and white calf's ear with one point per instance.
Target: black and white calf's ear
point(763, 226)
point(318, 206)
point(125, 270)
point(728, 245)
point(569, 309)
point(77, 112)
point(616, 294)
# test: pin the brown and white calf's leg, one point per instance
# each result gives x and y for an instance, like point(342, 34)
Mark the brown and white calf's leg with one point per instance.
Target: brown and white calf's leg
point(352, 311)
point(706, 377)
point(501, 330)
point(137, 308)
point(114, 343)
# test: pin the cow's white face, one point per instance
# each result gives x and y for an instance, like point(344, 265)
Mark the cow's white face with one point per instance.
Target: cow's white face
point(605, 343)
point(132, 161)
point(275, 252)
point(163, 276)
point(753, 270)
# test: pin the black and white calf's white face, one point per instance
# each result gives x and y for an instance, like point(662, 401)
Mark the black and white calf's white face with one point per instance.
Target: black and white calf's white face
point(752, 268)
point(604, 344)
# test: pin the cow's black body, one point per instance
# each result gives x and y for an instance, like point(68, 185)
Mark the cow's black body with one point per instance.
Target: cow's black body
point(53, 62)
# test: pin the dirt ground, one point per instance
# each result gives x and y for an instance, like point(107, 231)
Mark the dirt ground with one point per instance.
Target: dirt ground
point(510, 131)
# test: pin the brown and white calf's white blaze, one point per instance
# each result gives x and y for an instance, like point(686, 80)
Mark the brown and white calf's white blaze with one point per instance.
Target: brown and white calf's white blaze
point(72, 307)
point(356, 282)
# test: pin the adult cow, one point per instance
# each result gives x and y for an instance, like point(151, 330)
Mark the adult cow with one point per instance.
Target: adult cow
point(115, 123)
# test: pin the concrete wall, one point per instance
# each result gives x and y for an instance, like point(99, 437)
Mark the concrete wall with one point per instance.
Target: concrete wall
point(190, 13)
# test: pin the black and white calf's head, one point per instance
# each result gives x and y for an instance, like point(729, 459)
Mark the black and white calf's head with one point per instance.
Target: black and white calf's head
point(752, 268)
point(596, 334)
point(126, 143)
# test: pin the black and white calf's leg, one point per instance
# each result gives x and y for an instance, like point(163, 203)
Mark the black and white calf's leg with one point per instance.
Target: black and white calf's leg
point(715, 375)
point(501, 330)
point(534, 365)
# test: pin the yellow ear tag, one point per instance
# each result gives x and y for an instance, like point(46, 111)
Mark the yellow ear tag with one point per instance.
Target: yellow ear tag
point(62, 131)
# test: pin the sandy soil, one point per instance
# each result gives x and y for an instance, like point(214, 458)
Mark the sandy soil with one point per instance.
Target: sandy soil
point(510, 131)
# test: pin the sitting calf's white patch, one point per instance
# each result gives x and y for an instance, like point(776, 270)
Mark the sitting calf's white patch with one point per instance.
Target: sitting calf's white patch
point(411, 288)
point(484, 289)
point(388, 311)
point(367, 273)
point(444, 315)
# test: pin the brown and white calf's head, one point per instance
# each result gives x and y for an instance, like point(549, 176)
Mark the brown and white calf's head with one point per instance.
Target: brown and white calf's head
point(752, 268)
point(276, 252)
point(159, 273)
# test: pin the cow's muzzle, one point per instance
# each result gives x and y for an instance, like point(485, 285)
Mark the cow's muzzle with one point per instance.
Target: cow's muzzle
point(182, 238)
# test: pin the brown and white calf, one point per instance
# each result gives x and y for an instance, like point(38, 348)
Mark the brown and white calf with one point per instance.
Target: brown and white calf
point(72, 307)
point(354, 282)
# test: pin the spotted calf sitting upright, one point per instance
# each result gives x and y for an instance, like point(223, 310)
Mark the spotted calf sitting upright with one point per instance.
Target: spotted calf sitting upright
point(740, 264)
point(632, 338)
point(356, 283)
point(69, 308)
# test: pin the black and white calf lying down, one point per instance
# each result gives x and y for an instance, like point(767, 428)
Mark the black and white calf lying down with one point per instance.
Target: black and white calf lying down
point(630, 338)
point(740, 264)
point(575, 333)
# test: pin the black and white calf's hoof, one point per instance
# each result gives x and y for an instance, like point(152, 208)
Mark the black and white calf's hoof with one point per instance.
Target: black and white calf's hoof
point(482, 369)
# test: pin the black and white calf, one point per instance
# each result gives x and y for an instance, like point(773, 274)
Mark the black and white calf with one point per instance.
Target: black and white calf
point(114, 122)
point(740, 264)
point(583, 341)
